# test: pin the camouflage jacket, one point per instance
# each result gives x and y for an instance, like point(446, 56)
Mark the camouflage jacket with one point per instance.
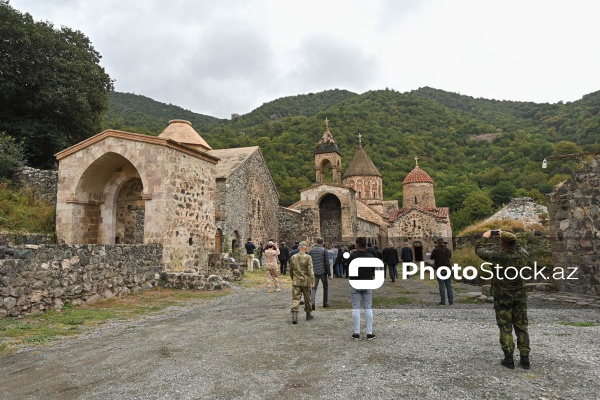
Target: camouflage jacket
point(505, 289)
point(301, 270)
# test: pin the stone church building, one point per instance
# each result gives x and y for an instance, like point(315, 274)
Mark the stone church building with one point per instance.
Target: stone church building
point(175, 190)
point(339, 207)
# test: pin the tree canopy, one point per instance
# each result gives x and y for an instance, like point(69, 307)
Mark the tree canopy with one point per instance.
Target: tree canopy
point(53, 91)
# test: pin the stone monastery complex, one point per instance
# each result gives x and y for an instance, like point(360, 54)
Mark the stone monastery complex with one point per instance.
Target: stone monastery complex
point(175, 190)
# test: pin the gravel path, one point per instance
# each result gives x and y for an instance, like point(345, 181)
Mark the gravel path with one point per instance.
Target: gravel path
point(244, 346)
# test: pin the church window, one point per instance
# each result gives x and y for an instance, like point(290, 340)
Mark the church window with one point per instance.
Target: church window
point(414, 223)
point(416, 200)
point(359, 194)
point(374, 194)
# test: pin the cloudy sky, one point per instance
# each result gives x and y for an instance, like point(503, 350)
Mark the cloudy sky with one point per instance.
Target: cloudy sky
point(218, 57)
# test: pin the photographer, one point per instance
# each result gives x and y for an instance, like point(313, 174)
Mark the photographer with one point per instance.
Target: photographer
point(510, 295)
point(271, 254)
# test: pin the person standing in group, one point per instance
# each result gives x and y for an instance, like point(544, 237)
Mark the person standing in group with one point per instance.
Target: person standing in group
point(284, 256)
point(366, 295)
point(441, 257)
point(510, 295)
point(321, 269)
point(331, 256)
point(303, 279)
point(390, 259)
point(270, 255)
point(250, 248)
point(406, 254)
point(339, 262)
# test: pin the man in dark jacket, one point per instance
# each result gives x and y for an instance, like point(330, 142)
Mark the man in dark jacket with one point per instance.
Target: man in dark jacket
point(250, 247)
point(441, 257)
point(390, 259)
point(284, 256)
point(510, 295)
point(406, 254)
point(321, 270)
point(364, 273)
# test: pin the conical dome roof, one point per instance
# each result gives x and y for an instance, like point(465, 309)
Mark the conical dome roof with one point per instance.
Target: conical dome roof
point(361, 165)
point(417, 175)
point(181, 131)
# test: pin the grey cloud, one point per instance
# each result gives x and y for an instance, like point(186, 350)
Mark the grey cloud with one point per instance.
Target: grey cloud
point(332, 62)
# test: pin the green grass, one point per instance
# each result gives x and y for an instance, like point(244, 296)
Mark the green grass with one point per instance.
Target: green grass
point(390, 302)
point(22, 211)
point(42, 328)
point(583, 324)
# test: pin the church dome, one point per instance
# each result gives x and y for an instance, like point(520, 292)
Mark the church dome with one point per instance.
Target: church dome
point(361, 165)
point(417, 175)
point(181, 131)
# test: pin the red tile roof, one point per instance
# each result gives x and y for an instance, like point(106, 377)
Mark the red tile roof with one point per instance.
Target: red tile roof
point(417, 175)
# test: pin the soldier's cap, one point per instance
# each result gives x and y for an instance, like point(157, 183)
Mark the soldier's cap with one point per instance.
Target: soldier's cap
point(271, 243)
point(508, 237)
point(302, 244)
point(440, 240)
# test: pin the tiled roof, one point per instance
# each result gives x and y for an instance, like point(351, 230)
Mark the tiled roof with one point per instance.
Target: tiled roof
point(417, 175)
point(361, 165)
point(437, 212)
point(182, 132)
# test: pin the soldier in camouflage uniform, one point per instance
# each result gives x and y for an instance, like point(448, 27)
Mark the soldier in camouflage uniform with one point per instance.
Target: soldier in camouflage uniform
point(510, 295)
point(303, 279)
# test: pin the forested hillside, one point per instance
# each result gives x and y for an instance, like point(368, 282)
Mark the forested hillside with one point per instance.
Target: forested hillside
point(479, 152)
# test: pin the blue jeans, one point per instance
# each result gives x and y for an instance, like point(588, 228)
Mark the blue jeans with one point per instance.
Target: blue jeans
point(367, 299)
point(446, 284)
point(339, 270)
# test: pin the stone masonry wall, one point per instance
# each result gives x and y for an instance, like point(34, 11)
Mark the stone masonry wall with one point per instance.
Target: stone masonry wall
point(289, 225)
point(574, 215)
point(250, 203)
point(38, 278)
point(43, 182)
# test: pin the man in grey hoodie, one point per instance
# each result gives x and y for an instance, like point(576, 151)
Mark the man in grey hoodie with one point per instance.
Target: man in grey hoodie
point(321, 270)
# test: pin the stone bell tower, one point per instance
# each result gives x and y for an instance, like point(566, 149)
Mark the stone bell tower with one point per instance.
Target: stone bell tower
point(327, 154)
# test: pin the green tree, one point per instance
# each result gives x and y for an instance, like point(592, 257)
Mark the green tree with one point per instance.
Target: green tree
point(565, 147)
point(477, 206)
point(502, 193)
point(53, 92)
point(11, 155)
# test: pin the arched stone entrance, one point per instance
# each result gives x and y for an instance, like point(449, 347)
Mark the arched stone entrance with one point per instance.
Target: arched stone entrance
point(218, 241)
point(330, 212)
point(108, 199)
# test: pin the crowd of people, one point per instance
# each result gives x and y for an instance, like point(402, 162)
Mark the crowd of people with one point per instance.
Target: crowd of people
point(308, 268)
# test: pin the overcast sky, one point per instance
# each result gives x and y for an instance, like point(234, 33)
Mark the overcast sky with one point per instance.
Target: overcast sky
point(218, 57)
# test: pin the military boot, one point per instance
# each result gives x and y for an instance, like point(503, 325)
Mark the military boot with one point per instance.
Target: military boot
point(524, 361)
point(508, 362)
point(294, 317)
point(309, 316)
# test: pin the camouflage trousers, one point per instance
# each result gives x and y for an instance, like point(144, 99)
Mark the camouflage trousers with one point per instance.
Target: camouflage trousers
point(512, 314)
point(272, 278)
point(297, 292)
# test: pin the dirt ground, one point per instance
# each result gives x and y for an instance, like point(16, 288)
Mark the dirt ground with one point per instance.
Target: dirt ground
point(243, 345)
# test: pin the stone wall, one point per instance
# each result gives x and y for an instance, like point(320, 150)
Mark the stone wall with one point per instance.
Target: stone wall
point(574, 215)
point(289, 225)
point(418, 225)
point(422, 192)
point(18, 238)
point(43, 182)
point(37, 278)
point(248, 202)
point(522, 209)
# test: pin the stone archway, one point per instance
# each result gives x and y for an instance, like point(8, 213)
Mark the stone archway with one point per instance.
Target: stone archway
point(109, 186)
point(418, 251)
point(330, 215)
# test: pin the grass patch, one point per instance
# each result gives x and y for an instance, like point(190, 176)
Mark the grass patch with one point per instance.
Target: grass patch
point(479, 228)
point(22, 211)
point(391, 302)
point(42, 328)
point(583, 324)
